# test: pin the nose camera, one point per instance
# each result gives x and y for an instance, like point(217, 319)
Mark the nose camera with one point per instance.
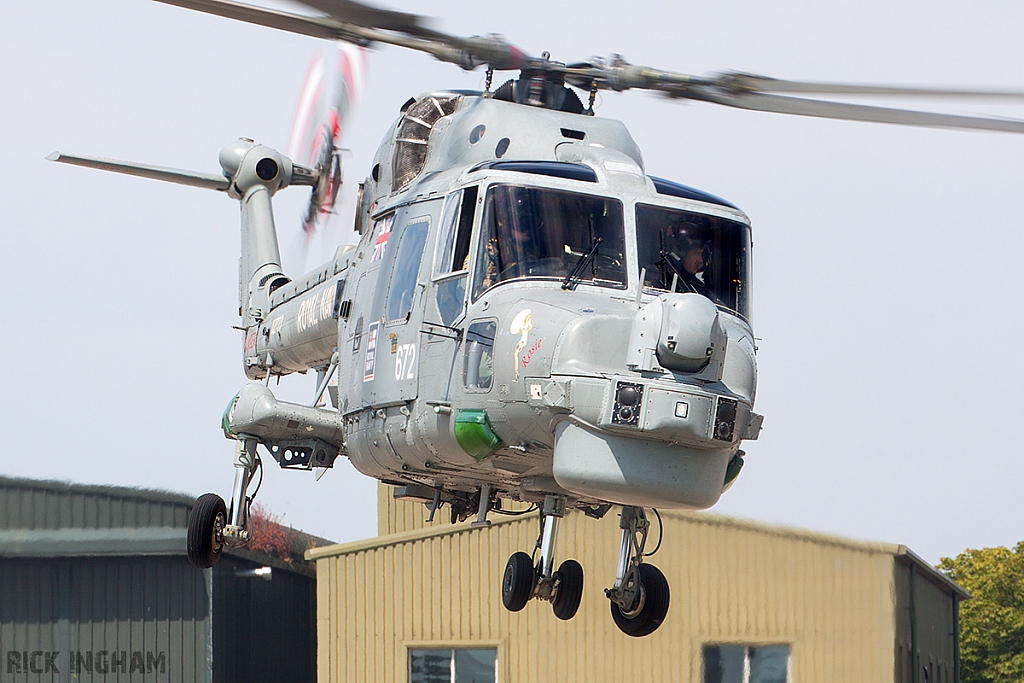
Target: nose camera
point(628, 399)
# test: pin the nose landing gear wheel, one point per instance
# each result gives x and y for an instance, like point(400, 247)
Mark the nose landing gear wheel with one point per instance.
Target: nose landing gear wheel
point(205, 530)
point(649, 608)
point(570, 590)
point(517, 583)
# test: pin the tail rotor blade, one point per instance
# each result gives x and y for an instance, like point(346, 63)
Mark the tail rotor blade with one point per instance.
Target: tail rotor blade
point(328, 96)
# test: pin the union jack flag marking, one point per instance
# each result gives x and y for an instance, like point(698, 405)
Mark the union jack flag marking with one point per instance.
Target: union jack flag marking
point(382, 239)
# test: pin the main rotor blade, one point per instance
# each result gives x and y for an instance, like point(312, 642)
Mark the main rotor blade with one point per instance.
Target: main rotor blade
point(849, 112)
point(725, 90)
point(475, 50)
point(339, 26)
point(317, 27)
point(766, 84)
point(357, 13)
point(467, 53)
point(209, 181)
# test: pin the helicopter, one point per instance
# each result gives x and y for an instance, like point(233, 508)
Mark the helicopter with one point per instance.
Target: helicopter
point(504, 330)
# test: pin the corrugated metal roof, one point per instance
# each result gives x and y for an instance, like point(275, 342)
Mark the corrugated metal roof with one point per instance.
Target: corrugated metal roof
point(908, 556)
point(707, 518)
point(40, 518)
point(38, 505)
point(161, 540)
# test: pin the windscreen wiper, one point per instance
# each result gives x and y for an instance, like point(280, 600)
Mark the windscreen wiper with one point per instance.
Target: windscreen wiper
point(576, 274)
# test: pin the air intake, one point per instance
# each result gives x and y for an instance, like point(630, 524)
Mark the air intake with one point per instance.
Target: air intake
point(413, 136)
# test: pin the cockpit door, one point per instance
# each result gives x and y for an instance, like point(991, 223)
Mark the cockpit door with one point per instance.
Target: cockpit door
point(446, 305)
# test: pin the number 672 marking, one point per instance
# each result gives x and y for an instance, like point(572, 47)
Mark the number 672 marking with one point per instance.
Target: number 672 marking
point(405, 362)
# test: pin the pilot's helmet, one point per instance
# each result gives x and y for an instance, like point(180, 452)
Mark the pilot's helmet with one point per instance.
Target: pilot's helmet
point(527, 217)
point(682, 236)
point(687, 244)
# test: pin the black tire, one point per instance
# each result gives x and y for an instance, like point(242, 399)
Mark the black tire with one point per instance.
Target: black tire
point(517, 583)
point(654, 600)
point(209, 514)
point(570, 590)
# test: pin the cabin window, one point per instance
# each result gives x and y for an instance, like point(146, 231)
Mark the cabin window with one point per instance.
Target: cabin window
point(478, 369)
point(453, 665)
point(406, 269)
point(541, 233)
point(684, 251)
point(745, 664)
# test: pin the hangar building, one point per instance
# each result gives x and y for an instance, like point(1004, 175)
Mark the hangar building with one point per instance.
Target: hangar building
point(751, 603)
point(95, 586)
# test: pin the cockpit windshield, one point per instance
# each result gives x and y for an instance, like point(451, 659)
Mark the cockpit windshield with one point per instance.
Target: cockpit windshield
point(685, 251)
point(535, 232)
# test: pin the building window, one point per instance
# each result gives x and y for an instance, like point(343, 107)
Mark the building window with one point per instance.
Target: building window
point(453, 665)
point(745, 664)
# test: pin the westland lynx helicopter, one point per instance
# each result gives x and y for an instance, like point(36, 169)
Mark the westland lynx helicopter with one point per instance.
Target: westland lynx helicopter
point(528, 316)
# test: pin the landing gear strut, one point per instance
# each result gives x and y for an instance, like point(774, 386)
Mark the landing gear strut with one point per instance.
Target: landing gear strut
point(640, 596)
point(211, 525)
point(524, 579)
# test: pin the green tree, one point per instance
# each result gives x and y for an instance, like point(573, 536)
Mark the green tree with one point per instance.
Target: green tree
point(992, 621)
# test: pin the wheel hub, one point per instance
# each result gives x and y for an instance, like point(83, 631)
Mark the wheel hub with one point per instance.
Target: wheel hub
point(217, 533)
point(636, 605)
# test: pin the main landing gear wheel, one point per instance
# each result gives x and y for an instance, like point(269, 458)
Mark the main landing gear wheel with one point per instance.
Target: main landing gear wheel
point(650, 606)
point(517, 583)
point(206, 530)
point(525, 579)
point(570, 590)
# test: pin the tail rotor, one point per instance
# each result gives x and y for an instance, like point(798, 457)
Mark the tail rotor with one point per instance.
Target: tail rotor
point(332, 86)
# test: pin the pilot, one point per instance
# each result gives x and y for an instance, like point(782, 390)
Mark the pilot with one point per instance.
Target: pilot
point(510, 254)
point(694, 259)
point(687, 260)
point(520, 247)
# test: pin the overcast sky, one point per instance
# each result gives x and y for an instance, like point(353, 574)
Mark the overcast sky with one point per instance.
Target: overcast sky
point(887, 260)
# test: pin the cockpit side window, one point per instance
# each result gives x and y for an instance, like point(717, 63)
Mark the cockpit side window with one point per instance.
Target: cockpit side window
point(456, 228)
point(452, 258)
point(449, 222)
point(460, 256)
point(684, 251)
point(543, 233)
